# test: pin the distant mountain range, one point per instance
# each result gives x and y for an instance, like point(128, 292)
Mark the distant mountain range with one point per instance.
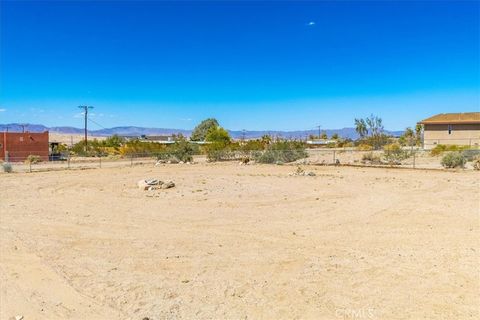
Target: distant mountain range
point(138, 131)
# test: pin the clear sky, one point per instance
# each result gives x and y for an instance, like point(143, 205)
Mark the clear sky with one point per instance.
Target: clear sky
point(252, 65)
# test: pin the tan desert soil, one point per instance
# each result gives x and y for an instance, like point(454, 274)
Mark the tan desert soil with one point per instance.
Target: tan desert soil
point(237, 242)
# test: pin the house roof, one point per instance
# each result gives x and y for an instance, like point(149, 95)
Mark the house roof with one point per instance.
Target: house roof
point(453, 118)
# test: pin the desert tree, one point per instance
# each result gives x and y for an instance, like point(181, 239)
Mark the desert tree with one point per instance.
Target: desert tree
point(361, 127)
point(201, 130)
point(371, 132)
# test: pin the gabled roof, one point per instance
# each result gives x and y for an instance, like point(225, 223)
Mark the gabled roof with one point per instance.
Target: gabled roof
point(453, 118)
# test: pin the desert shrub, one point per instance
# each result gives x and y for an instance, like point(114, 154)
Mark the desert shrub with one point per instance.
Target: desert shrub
point(345, 143)
point(181, 150)
point(364, 147)
point(7, 167)
point(371, 157)
point(453, 160)
point(441, 148)
point(142, 148)
point(32, 159)
point(471, 154)
point(253, 145)
point(393, 153)
point(220, 146)
point(218, 151)
point(282, 152)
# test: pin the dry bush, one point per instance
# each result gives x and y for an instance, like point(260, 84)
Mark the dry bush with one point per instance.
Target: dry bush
point(441, 148)
point(371, 157)
point(33, 159)
point(453, 160)
point(394, 153)
point(476, 163)
point(364, 147)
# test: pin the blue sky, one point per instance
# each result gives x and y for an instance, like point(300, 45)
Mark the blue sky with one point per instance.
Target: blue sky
point(252, 65)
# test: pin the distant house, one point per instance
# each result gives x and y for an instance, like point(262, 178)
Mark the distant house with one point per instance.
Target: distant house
point(17, 146)
point(160, 139)
point(166, 139)
point(321, 142)
point(451, 128)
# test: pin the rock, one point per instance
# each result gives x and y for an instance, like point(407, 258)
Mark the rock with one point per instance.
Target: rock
point(180, 162)
point(145, 184)
point(311, 174)
point(168, 185)
point(18, 317)
point(142, 184)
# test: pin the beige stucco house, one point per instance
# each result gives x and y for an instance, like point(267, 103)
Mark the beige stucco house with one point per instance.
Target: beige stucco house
point(452, 128)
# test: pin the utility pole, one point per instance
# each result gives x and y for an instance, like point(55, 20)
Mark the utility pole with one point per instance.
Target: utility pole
point(243, 135)
point(23, 125)
point(85, 112)
point(319, 126)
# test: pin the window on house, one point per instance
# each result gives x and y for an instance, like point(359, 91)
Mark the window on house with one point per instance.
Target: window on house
point(449, 129)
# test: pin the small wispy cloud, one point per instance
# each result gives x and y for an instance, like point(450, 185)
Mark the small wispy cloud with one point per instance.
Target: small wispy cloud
point(311, 23)
point(2, 110)
point(186, 119)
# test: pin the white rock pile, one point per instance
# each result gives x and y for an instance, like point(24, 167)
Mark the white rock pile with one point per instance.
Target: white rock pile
point(154, 184)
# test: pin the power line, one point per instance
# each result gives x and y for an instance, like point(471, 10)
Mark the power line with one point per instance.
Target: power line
point(98, 124)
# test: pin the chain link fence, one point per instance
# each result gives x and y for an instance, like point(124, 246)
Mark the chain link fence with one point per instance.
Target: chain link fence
point(404, 158)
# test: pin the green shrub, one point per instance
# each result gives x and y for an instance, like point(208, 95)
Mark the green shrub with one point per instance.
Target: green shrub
point(453, 160)
point(7, 167)
point(282, 152)
point(32, 159)
point(393, 153)
point(181, 150)
point(219, 151)
point(471, 154)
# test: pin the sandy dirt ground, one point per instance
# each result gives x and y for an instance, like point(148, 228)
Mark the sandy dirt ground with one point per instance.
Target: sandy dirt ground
point(240, 242)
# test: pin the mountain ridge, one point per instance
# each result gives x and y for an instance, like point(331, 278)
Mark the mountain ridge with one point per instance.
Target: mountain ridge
point(138, 131)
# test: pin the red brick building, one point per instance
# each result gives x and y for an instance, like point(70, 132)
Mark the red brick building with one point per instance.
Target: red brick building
point(19, 145)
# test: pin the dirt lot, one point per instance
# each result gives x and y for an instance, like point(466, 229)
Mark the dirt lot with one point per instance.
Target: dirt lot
point(237, 242)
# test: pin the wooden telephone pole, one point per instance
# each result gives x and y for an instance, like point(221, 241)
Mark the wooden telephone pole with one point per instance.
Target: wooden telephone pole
point(85, 112)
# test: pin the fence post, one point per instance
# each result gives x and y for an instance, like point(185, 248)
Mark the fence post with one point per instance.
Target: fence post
point(333, 156)
point(68, 162)
point(100, 161)
point(30, 166)
point(414, 153)
point(131, 160)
